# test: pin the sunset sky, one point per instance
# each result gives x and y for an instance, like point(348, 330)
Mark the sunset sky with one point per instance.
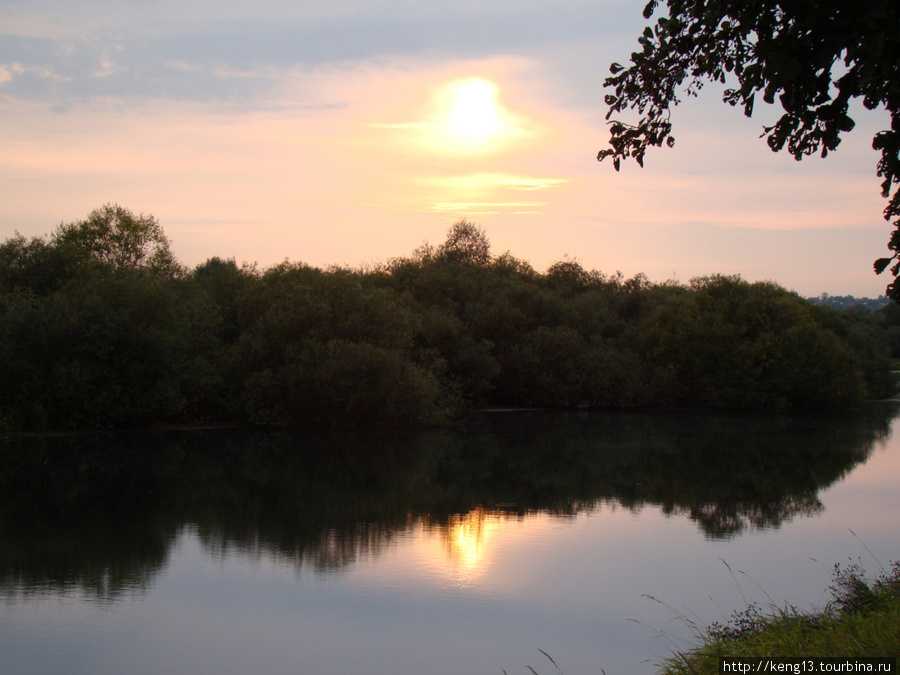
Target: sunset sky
point(352, 131)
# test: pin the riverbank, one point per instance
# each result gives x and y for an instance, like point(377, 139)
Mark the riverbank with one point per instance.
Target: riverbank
point(862, 620)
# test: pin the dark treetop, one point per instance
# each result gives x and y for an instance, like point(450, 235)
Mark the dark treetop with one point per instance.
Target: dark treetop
point(812, 58)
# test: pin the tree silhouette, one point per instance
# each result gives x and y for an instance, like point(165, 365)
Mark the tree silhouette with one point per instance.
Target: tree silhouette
point(115, 236)
point(813, 58)
point(466, 243)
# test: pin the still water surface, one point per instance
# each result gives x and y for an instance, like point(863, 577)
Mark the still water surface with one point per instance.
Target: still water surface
point(598, 538)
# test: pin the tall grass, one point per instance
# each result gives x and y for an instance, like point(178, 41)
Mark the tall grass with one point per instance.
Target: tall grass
point(863, 619)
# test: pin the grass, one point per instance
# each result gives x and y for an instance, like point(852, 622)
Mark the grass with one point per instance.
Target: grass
point(862, 620)
point(550, 658)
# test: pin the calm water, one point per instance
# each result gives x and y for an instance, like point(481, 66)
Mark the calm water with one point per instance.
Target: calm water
point(597, 538)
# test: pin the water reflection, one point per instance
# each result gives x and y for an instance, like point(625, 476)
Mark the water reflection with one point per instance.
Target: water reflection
point(465, 537)
point(100, 512)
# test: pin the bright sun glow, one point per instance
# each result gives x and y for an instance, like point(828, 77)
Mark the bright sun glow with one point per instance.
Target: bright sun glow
point(474, 112)
point(470, 117)
point(462, 117)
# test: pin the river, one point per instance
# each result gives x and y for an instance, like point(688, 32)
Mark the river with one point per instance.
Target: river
point(603, 539)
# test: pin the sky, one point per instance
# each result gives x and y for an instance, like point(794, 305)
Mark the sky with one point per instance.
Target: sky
point(351, 132)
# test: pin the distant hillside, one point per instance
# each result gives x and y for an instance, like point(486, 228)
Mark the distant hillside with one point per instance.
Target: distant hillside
point(842, 302)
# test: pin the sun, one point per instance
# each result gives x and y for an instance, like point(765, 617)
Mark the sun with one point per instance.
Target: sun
point(474, 112)
point(469, 117)
point(463, 116)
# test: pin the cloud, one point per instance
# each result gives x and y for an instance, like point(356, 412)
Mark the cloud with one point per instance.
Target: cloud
point(485, 208)
point(134, 51)
point(529, 184)
point(481, 181)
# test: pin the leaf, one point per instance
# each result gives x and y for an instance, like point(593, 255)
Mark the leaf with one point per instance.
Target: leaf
point(881, 265)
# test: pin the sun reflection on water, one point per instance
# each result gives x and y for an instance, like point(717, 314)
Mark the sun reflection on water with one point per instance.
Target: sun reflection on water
point(465, 543)
point(465, 537)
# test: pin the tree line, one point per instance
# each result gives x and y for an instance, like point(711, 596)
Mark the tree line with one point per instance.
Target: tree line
point(843, 302)
point(101, 327)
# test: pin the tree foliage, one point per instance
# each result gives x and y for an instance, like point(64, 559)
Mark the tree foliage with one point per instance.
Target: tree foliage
point(812, 59)
point(114, 236)
point(466, 243)
point(87, 342)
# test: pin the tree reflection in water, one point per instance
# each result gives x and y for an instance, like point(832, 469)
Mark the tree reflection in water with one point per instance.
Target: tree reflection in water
point(99, 513)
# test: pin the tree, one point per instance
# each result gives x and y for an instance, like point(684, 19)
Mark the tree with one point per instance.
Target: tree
point(813, 58)
point(466, 243)
point(113, 235)
point(35, 266)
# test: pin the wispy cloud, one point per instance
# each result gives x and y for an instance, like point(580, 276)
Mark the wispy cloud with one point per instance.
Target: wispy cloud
point(478, 181)
point(99, 42)
point(483, 208)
